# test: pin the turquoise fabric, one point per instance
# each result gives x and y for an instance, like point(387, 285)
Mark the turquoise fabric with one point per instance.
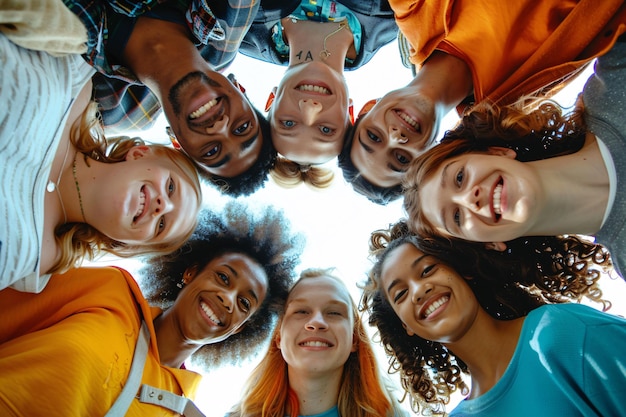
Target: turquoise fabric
point(333, 412)
point(569, 361)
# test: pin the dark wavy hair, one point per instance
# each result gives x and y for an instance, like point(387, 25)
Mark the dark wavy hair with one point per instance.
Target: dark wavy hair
point(374, 193)
point(507, 285)
point(255, 177)
point(539, 133)
point(265, 237)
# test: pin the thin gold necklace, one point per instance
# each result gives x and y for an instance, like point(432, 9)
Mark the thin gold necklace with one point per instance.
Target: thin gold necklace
point(54, 186)
point(325, 53)
point(80, 198)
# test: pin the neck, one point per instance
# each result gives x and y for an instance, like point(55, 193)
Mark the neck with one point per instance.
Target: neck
point(487, 349)
point(160, 53)
point(306, 41)
point(576, 191)
point(173, 349)
point(316, 392)
point(445, 79)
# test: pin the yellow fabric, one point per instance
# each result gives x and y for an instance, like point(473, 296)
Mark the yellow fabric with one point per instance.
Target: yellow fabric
point(67, 351)
point(512, 47)
point(43, 25)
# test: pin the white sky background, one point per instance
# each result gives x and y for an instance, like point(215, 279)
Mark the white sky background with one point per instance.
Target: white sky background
point(337, 221)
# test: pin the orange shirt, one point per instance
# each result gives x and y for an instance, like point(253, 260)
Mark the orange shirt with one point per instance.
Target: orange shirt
point(512, 47)
point(67, 351)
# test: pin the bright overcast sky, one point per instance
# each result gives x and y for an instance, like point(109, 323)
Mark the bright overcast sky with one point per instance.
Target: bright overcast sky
point(336, 221)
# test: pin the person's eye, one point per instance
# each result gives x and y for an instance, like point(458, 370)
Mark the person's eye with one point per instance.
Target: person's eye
point(212, 152)
point(223, 277)
point(327, 130)
point(288, 123)
point(335, 313)
point(458, 180)
point(373, 137)
point(171, 187)
point(402, 159)
point(428, 270)
point(399, 296)
point(241, 129)
point(245, 304)
point(161, 225)
point(457, 217)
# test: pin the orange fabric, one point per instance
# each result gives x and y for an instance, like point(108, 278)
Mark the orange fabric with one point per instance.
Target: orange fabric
point(512, 47)
point(67, 351)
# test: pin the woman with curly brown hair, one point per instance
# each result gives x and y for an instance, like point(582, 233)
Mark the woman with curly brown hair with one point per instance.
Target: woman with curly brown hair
point(506, 172)
point(443, 315)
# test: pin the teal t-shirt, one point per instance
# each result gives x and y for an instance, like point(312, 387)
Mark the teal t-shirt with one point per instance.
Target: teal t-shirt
point(333, 412)
point(569, 361)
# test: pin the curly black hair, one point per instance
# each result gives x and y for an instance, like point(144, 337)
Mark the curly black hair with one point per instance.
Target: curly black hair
point(374, 193)
point(264, 237)
point(253, 178)
point(507, 284)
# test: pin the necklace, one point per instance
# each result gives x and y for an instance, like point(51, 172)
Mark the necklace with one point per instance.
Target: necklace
point(54, 186)
point(325, 53)
point(80, 199)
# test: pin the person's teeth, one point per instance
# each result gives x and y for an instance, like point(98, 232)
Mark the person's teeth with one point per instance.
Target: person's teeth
point(411, 121)
point(314, 88)
point(434, 306)
point(210, 313)
point(497, 203)
point(203, 109)
point(315, 344)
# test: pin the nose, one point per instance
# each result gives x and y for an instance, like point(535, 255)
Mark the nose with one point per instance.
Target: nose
point(309, 109)
point(162, 205)
point(473, 198)
point(227, 299)
point(397, 135)
point(220, 125)
point(316, 322)
point(419, 290)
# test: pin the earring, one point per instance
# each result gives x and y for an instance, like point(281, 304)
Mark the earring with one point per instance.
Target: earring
point(183, 281)
point(233, 80)
point(270, 101)
point(173, 139)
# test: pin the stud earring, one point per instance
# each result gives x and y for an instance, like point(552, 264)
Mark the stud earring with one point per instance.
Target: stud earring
point(351, 111)
point(175, 144)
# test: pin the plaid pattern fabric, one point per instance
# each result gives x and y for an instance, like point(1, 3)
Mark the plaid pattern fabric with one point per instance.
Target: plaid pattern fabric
point(125, 103)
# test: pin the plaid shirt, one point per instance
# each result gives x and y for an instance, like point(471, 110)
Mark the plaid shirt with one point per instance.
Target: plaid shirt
point(125, 103)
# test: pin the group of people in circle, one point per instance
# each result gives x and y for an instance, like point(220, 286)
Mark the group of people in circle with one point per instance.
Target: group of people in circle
point(512, 217)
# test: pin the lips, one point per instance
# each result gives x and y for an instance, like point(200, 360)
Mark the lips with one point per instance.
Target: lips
point(433, 304)
point(207, 112)
point(210, 314)
point(496, 200)
point(408, 121)
point(144, 203)
point(320, 89)
point(315, 343)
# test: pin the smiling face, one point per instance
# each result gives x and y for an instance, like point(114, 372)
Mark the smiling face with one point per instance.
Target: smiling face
point(432, 300)
point(214, 123)
point(397, 129)
point(217, 301)
point(146, 199)
point(309, 115)
point(481, 197)
point(316, 333)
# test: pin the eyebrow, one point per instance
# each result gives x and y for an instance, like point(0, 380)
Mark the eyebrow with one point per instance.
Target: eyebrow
point(397, 280)
point(220, 163)
point(245, 145)
point(367, 148)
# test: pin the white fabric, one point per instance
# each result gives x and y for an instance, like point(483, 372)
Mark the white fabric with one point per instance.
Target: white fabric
point(36, 92)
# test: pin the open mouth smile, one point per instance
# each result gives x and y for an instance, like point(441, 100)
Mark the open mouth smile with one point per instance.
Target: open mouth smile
point(312, 88)
point(434, 305)
point(496, 200)
point(210, 314)
point(408, 121)
point(143, 205)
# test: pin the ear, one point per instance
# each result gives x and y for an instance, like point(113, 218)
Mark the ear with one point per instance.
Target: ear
point(137, 152)
point(173, 138)
point(355, 343)
point(351, 111)
point(270, 99)
point(277, 341)
point(497, 246)
point(408, 331)
point(367, 107)
point(189, 274)
point(502, 151)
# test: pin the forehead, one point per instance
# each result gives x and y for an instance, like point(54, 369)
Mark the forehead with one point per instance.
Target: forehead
point(399, 261)
point(319, 290)
point(249, 271)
